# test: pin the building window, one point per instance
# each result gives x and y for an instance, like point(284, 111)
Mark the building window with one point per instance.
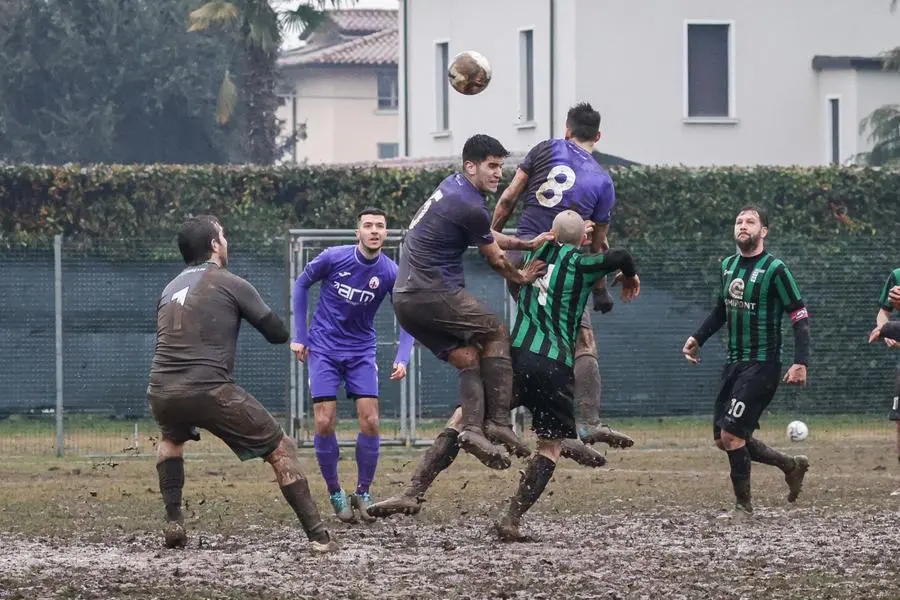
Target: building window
point(388, 91)
point(834, 130)
point(709, 70)
point(388, 150)
point(526, 75)
point(442, 62)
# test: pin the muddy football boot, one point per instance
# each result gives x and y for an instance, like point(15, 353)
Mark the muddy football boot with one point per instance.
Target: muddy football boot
point(582, 453)
point(503, 434)
point(491, 456)
point(361, 503)
point(508, 530)
point(324, 545)
point(598, 433)
point(401, 504)
point(794, 477)
point(175, 535)
point(341, 505)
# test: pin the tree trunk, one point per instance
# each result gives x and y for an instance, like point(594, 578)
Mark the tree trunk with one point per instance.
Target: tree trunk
point(259, 89)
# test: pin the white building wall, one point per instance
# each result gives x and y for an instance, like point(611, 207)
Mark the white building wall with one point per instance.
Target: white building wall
point(628, 59)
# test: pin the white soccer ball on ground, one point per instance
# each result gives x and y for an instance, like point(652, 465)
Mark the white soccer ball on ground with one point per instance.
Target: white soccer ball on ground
point(797, 431)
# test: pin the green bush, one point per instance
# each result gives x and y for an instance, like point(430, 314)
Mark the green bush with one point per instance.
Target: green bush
point(112, 202)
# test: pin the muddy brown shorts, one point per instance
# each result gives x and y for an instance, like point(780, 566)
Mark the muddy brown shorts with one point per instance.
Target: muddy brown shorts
point(444, 321)
point(517, 258)
point(228, 411)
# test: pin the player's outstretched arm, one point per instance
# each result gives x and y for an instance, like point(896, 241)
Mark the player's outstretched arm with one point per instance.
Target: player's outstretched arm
point(258, 313)
point(498, 261)
point(509, 242)
point(617, 259)
point(507, 202)
point(789, 293)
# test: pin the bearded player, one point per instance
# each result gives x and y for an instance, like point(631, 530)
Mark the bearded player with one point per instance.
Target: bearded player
point(755, 291)
point(558, 175)
point(340, 347)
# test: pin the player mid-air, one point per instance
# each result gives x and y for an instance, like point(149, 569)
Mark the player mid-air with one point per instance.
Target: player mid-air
point(432, 304)
point(548, 315)
point(192, 385)
point(755, 291)
point(340, 347)
point(557, 175)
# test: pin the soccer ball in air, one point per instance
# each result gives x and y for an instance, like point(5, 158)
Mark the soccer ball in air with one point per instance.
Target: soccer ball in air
point(797, 431)
point(469, 73)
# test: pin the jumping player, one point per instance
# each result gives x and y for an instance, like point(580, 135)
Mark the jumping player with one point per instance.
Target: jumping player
point(756, 290)
point(549, 341)
point(431, 302)
point(191, 382)
point(558, 175)
point(543, 349)
point(340, 348)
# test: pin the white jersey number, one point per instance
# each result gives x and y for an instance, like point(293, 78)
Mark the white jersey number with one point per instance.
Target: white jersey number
point(437, 195)
point(543, 284)
point(180, 296)
point(555, 186)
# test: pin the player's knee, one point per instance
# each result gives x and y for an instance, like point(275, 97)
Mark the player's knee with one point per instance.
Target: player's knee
point(325, 422)
point(464, 358)
point(368, 423)
point(550, 449)
point(284, 462)
point(168, 449)
point(731, 442)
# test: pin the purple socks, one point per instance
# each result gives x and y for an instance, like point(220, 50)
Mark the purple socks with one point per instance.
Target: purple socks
point(327, 455)
point(367, 448)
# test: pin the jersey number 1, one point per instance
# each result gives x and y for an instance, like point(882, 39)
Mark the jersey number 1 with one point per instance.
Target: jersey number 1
point(543, 284)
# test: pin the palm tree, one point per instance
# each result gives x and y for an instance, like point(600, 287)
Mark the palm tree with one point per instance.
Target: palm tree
point(258, 29)
point(883, 124)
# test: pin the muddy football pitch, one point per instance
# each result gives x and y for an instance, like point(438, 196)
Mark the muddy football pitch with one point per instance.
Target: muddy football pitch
point(654, 523)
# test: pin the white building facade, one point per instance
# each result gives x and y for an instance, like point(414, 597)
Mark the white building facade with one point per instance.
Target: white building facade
point(693, 82)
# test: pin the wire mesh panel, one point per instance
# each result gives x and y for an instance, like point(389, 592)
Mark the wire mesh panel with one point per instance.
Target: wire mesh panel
point(27, 342)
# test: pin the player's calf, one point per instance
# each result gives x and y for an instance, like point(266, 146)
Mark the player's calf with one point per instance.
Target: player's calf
point(437, 458)
point(170, 470)
point(471, 388)
point(295, 490)
point(497, 372)
point(587, 389)
point(740, 461)
point(531, 485)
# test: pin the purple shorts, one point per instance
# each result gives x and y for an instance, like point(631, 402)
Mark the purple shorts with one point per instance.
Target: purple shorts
point(359, 375)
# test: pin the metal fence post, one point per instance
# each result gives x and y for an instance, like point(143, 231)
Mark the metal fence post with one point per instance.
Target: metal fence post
point(57, 284)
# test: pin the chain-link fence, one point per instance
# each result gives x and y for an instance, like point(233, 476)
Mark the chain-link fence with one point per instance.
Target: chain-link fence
point(78, 332)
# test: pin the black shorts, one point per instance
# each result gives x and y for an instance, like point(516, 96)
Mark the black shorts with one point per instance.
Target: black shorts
point(517, 258)
point(444, 321)
point(746, 390)
point(228, 411)
point(544, 387)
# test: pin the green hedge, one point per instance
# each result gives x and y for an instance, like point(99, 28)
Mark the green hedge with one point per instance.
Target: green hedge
point(125, 202)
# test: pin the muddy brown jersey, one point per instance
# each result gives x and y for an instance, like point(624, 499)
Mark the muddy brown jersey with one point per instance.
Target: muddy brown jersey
point(198, 318)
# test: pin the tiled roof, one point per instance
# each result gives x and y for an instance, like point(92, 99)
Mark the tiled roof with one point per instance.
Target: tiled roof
point(379, 48)
point(363, 21)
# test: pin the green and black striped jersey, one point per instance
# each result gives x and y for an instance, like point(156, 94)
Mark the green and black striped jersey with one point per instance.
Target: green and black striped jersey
point(756, 292)
point(893, 280)
point(548, 312)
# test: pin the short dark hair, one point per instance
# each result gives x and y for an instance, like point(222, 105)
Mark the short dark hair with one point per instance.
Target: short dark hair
point(763, 217)
point(480, 146)
point(583, 121)
point(370, 210)
point(195, 238)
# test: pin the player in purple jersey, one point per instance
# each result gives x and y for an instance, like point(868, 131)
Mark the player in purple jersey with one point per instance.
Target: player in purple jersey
point(432, 304)
point(340, 347)
point(558, 175)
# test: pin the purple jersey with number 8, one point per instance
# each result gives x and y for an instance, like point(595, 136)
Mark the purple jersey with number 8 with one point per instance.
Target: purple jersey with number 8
point(563, 176)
